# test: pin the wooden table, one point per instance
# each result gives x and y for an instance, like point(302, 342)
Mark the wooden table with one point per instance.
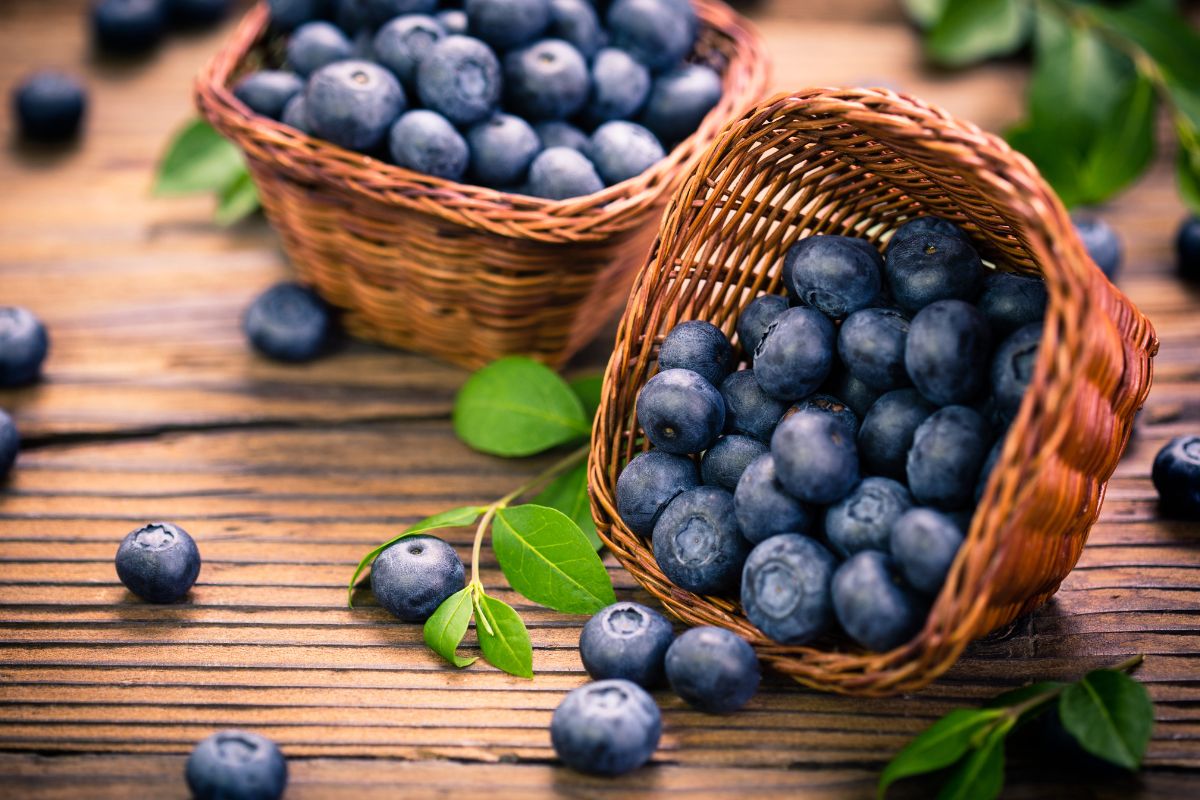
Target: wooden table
point(153, 408)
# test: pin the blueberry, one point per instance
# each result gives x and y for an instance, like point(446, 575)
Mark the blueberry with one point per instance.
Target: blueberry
point(267, 92)
point(546, 80)
point(315, 44)
point(379, 12)
point(460, 79)
point(761, 506)
point(561, 173)
point(1012, 368)
point(1187, 248)
point(1176, 476)
point(505, 24)
point(796, 354)
point(680, 99)
point(10, 443)
point(287, 15)
point(785, 588)
point(606, 728)
point(622, 150)
point(354, 103)
point(724, 462)
point(502, 148)
point(850, 390)
point(815, 457)
point(412, 577)
point(921, 226)
point(628, 641)
point(699, 346)
point(49, 106)
point(837, 275)
point(556, 133)
point(930, 267)
point(648, 483)
point(659, 33)
point(426, 142)
point(680, 411)
point(620, 85)
point(713, 669)
point(129, 26)
point(887, 431)
point(924, 543)
point(1101, 242)
point(748, 409)
point(989, 464)
point(871, 343)
point(158, 562)
point(947, 454)
point(23, 346)
point(1011, 301)
point(575, 22)
point(454, 21)
point(295, 114)
point(401, 45)
point(863, 519)
point(288, 322)
point(828, 404)
point(874, 608)
point(756, 318)
point(198, 13)
point(948, 352)
point(697, 542)
point(236, 765)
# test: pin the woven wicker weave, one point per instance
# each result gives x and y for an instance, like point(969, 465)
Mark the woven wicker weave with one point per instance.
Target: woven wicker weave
point(860, 162)
point(463, 272)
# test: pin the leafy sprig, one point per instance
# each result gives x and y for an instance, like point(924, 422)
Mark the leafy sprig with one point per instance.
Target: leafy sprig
point(200, 161)
point(1108, 713)
point(546, 548)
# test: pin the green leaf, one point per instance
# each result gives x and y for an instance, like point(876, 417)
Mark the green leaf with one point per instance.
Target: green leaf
point(454, 518)
point(568, 493)
point(518, 407)
point(924, 12)
point(940, 745)
point(548, 559)
point(587, 388)
point(198, 160)
point(1110, 715)
point(1187, 173)
point(237, 201)
point(1124, 147)
point(503, 637)
point(972, 30)
point(981, 774)
point(447, 626)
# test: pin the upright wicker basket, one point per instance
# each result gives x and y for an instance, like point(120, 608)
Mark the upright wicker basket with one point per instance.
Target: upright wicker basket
point(860, 162)
point(462, 272)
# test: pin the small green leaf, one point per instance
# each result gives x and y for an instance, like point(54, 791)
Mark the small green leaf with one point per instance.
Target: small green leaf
point(447, 626)
point(454, 518)
point(588, 388)
point(198, 159)
point(518, 407)
point(924, 12)
point(972, 30)
point(981, 774)
point(568, 493)
point(237, 201)
point(1124, 146)
point(940, 745)
point(503, 637)
point(548, 559)
point(1110, 715)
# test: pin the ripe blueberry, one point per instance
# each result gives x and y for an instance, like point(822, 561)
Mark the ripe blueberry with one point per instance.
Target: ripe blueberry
point(129, 26)
point(606, 728)
point(575, 22)
point(680, 411)
point(158, 562)
point(315, 44)
point(295, 114)
point(1011, 301)
point(415, 575)
point(713, 669)
point(1187, 248)
point(628, 641)
point(1012, 368)
point(762, 508)
point(828, 404)
point(748, 409)
point(785, 588)
point(502, 148)
point(1176, 476)
point(871, 343)
point(679, 101)
point(23, 346)
point(756, 318)
point(354, 103)
point(947, 454)
point(556, 133)
point(505, 24)
point(425, 141)
point(288, 322)
point(401, 45)
point(620, 85)
point(648, 483)
point(850, 390)
point(659, 33)
point(887, 431)
point(815, 457)
point(796, 354)
point(837, 275)
point(236, 765)
point(921, 226)
point(930, 267)
point(697, 542)
point(622, 150)
point(863, 519)
point(460, 79)
point(546, 80)
point(1101, 242)
point(874, 608)
point(49, 106)
point(947, 352)
point(10, 443)
point(699, 346)
point(924, 543)
point(267, 92)
point(724, 462)
point(561, 173)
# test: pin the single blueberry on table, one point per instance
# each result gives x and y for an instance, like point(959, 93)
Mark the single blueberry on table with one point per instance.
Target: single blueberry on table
point(354, 103)
point(502, 148)
point(236, 765)
point(796, 354)
point(546, 80)
point(679, 101)
point(454, 21)
point(295, 114)
point(460, 79)
point(873, 607)
point(680, 411)
point(930, 267)
point(315, 44)
point(785, 588)
point(1011, 301)
point(924, 542)
point(380, 11)
point(608, 727)
point(23, 346)
point(1187, 248)
point(401, 45)
point(506, 24)
point(948, 352)
point(850, 390)
point(129, 26)
point(699, 346)
point(761, 506)
point(1176, 476)
point(267, 92)
point(49, 106)
point(648, 483)
point(412, 577)
point(947, 454)
point(886, 433)
point(871, 344)
point(863, 519)
point(622, 150)
point(724, 462)
point(836, 275)
point(748, 409)
point(575, 22)
point(1101, 242)
point(287, 15)
point(620, 86)
point(713, 669)
point(697, 543)
point(659, 33)
point(626, 640)
point(921, 226)
point(828, 404)
point(426, 142)
point(158, 562)
point(815, 457)
point(10, 443)
point(561, 173)
point(288, 322)
point(756, 318)
point(1012, 368)
point(556, 133)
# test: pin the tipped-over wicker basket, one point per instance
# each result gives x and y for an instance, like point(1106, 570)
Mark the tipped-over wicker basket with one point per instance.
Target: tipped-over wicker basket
point(465, 273)
point(860, 162)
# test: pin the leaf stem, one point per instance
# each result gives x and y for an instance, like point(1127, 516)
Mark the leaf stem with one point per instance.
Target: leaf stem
point(1014, 712)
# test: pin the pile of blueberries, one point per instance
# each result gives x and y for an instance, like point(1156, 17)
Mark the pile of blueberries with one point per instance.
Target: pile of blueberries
point(536, 97)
